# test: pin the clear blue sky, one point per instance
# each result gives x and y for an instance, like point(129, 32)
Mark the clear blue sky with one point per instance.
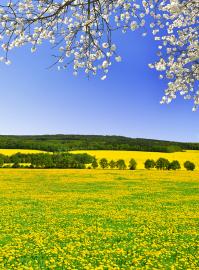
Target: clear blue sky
point(35, 100)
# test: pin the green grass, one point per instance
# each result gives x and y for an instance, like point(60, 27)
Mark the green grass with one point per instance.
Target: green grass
point(95, 219)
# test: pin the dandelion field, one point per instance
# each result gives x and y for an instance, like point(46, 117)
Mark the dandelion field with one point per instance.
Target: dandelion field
point(99, 219)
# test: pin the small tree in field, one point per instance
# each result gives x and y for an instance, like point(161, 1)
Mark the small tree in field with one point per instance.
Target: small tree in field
point(174, 165)
point(112, 164)
point(190, 166)
point(94, 163)
point(149, 164)
point(132, 164)
point(121, 164)
point(162, 164)
point(103, 163)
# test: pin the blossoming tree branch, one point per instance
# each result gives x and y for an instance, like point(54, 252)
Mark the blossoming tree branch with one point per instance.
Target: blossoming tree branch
point(80, 32)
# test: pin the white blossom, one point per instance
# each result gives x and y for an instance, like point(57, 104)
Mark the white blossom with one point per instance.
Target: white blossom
point(80, 32)
point(178, 23)
point(118, 58)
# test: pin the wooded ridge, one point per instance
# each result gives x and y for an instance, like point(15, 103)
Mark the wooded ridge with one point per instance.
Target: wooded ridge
point(60, 143)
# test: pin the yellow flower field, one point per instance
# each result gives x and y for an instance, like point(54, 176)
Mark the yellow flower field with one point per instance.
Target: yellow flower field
point(99, 219)
point(10, 152)
point(141, 157)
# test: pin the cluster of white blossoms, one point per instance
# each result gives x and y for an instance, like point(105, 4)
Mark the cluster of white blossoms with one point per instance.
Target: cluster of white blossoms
point(81, 32)
point(176, 28)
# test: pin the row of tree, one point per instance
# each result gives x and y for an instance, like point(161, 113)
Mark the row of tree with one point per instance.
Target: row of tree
point(120, 164)
point(165, 164)
point(160, 164)
point(81, 161)
point(43, 160)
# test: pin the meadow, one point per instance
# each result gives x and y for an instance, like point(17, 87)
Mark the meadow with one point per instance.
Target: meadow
point(99, 219)
point(141, 156)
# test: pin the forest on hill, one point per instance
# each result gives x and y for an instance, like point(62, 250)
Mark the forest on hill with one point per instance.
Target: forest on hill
point(60, 143)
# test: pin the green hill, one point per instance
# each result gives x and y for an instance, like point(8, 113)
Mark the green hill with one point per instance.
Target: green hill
point(57, 143)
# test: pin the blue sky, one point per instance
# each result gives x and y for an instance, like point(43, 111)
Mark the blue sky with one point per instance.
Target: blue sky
point(35, 100)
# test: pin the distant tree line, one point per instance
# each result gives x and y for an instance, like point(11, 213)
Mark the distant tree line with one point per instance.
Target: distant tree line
point(79, 161)
point(160, 164)
point(63, 143)
point(45, 160)
point(119, 164)
point(164, 164)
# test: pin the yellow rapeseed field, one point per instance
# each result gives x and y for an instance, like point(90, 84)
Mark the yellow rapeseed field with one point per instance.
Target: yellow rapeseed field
point(99, 219)
point(10, 152)
point(141, 157)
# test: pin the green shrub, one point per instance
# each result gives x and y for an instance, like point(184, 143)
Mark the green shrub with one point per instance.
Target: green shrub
point(149, 164)
point(94, 164)
point(132, 164)
point(121, 165)
point(103, 163)
point(190, 166)
point(162, 164)
point(112, 164)
point(174, 165)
